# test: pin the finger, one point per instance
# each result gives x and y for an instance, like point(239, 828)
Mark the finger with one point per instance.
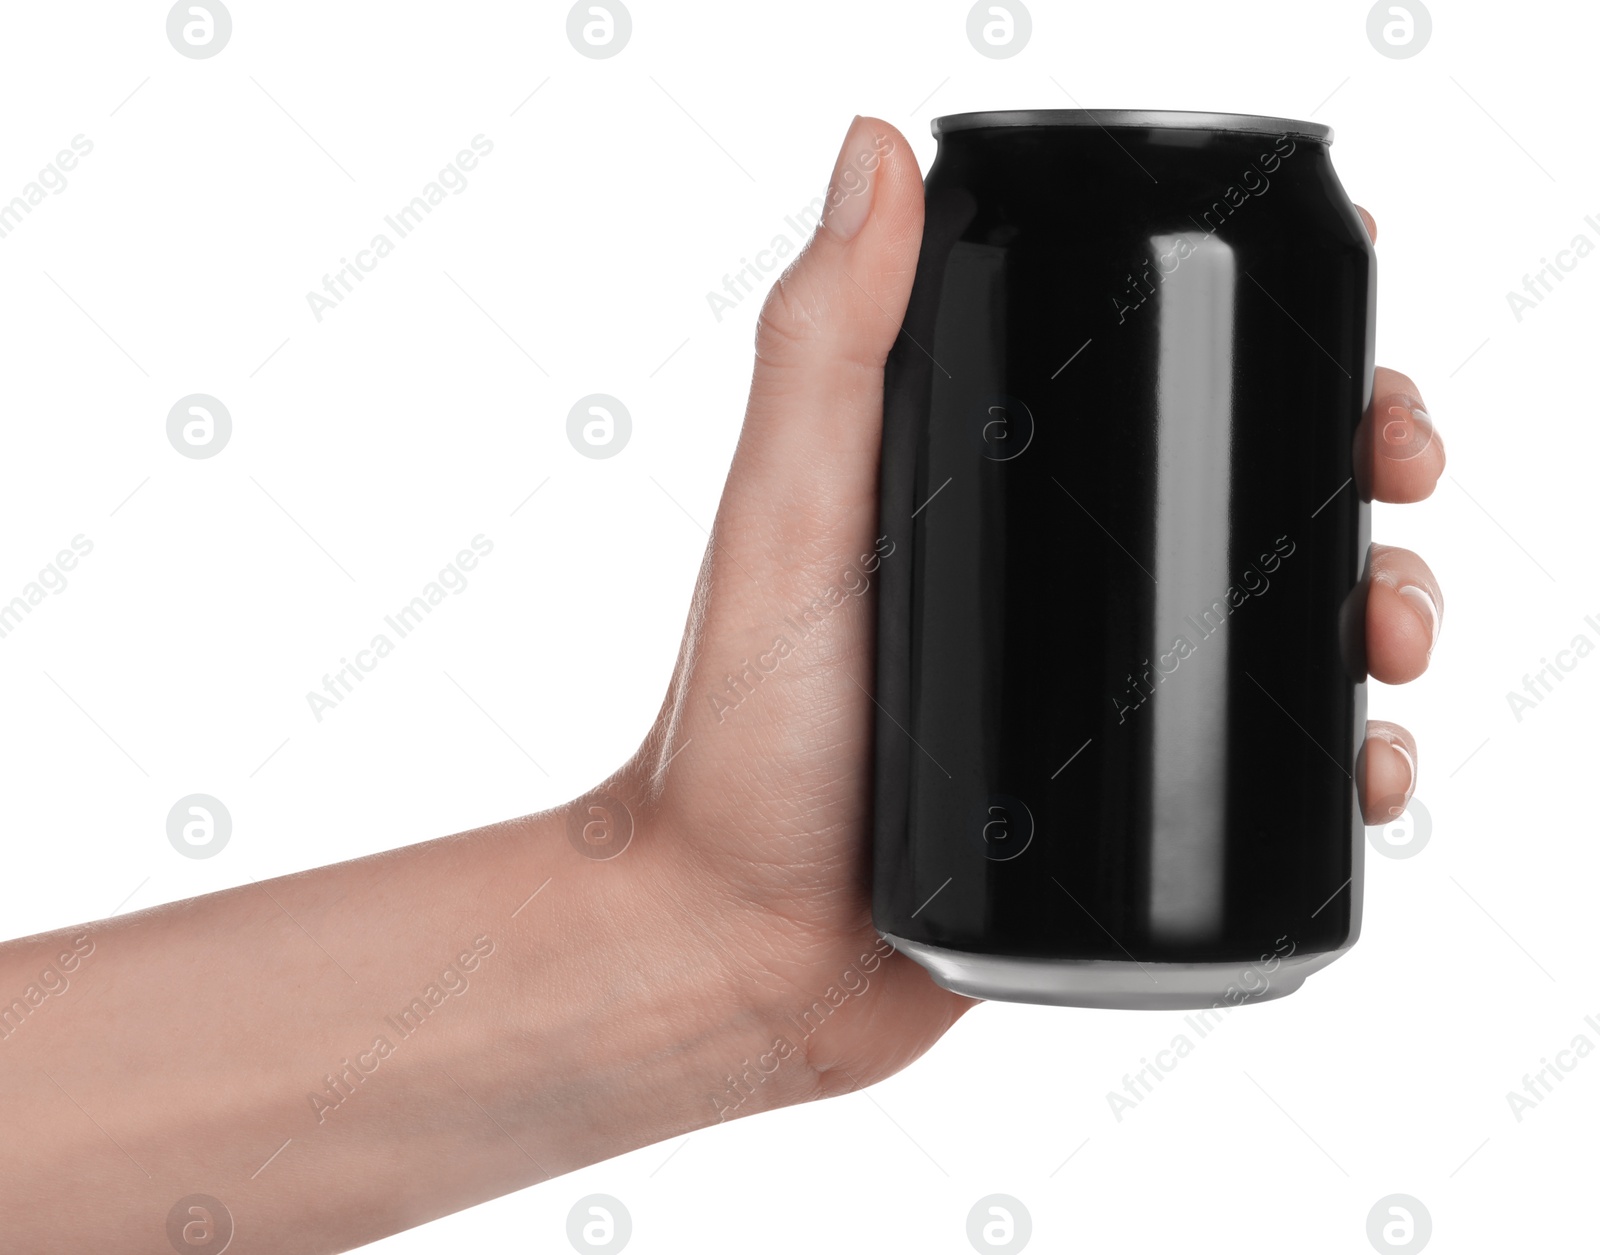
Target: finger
point(1371, 224)
point(808, 452)
point(794, 532)
point(1398, 447)
point(1405, 610)
point(1386, 774)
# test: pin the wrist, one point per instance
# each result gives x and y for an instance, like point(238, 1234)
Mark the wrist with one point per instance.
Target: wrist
point(632, 983)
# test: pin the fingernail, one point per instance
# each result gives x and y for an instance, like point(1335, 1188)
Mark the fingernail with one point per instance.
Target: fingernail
point(1405, 432)
point(849, 199)
point(1399, 747)
point(1421, 602)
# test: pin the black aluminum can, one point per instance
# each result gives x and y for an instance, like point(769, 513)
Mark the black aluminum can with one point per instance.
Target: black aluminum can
point(1121, 671)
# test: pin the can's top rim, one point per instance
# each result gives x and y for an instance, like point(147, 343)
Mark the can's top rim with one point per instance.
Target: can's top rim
point(1136, 119)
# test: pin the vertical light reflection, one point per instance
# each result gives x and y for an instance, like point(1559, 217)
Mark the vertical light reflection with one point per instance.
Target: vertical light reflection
point(1195, 312)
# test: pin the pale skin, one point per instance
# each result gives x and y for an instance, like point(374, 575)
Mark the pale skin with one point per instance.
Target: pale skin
point(618, 1000)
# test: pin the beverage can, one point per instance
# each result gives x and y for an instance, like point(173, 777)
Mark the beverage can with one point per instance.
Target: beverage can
point(1121, 664)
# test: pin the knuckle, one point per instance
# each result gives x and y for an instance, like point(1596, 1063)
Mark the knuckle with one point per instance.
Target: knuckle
point(789, 323)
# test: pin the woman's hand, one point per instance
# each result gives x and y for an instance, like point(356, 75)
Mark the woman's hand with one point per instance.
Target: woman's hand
point(753, 794)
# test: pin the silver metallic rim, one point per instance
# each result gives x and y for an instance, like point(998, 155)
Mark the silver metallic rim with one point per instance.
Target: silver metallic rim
point(1140, 119)
point(1119, 984)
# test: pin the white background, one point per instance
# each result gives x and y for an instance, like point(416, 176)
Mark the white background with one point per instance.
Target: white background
point(178, 258)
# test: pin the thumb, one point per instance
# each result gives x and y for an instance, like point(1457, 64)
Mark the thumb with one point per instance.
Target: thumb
point(808, 453)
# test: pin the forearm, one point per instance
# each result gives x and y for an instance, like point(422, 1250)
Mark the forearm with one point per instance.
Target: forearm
point(314, 1052)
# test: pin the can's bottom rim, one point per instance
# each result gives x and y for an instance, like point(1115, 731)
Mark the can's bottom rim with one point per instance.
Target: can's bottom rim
point(1117, 984)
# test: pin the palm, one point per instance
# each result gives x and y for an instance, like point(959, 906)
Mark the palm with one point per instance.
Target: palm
point(772, 789)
